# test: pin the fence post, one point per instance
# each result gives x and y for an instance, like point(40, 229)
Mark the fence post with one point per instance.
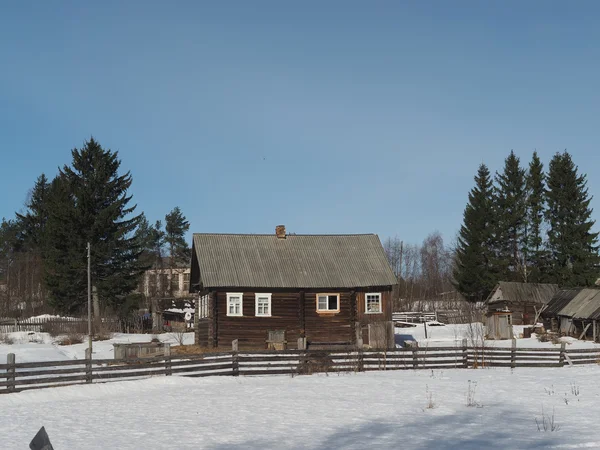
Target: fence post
point(360, 360)
point(465, 353)
point(10, 371)
point(167, 349)
point(415, 359)
point(88, 365)
point(561, 357)
point(513, 354)
point(235, 364)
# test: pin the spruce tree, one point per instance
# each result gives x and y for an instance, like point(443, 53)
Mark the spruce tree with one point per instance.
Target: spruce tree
point(151, 242)
point(535, 255)
point(573, 247)
point(33, 222)
point(474, 273)
point(510, 226)
point(90, 203)
point(176, 226)
point(64, 251)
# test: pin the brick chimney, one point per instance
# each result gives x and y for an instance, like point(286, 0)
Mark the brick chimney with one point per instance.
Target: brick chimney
point(280, 231)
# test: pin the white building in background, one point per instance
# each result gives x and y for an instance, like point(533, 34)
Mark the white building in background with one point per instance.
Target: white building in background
point(166, 283)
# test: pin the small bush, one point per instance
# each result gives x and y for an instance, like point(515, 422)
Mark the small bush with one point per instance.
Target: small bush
point(72, 338)
point(101, 336)
point(6, 339)
point(547, 422)
point(430, 402)
point(471, 391)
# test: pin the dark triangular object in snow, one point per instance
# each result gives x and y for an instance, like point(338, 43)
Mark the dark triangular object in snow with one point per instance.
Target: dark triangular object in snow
point(41, 441)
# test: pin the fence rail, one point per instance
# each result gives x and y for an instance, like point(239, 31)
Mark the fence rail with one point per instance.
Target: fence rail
point(18, 376)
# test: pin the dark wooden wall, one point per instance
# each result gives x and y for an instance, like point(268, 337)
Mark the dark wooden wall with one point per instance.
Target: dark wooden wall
point(294, 311)
point(251, 331)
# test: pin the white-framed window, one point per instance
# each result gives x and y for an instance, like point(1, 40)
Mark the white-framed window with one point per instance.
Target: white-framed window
point(263, 305)
point(235, 304)
point(203, 307)
point(373, 303)
point(328, 302)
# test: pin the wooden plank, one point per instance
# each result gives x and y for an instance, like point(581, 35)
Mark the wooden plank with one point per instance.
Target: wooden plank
point(121, 367)
point(584, 331)
point(46, 380)
point(138, 373)
point(267, 372)
point(33, 365)
point(32, 373)
point(221, 368)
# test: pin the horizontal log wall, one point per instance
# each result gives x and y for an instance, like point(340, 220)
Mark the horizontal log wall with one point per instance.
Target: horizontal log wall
point(15, 376)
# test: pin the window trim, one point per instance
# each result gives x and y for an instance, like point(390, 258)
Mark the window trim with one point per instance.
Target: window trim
point(241, 296)
point(256, 297)
point(380, 303)
point(328, 311)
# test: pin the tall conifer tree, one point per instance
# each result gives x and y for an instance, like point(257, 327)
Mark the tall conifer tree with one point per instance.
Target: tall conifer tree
point(176, 225)
point(510, 227)
point(33, 222)
point(91, 204)
point(572, 245)
point(474, 274)
point(535, 255)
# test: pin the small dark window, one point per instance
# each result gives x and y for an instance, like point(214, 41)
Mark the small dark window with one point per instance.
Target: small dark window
point(333, 302)
point(328, 302)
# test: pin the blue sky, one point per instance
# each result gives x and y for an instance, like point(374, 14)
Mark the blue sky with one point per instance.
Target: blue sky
point(328, 117)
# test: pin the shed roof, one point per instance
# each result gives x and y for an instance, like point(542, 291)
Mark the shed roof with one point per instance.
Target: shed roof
point(585, 305)
point(530, 293)
point(560, 300)
point(296, 261)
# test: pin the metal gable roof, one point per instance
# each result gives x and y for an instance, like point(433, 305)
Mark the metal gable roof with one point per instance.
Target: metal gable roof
point(296, 261)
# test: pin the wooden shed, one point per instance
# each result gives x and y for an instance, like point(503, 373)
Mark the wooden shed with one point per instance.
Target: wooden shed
point(559, 300)
point(330, 290)
point(581, 315)
point(499, 325)
point(524, 300)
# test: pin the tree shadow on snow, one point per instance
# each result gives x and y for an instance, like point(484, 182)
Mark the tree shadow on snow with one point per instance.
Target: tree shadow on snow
point(399, 339)
point(458, 431)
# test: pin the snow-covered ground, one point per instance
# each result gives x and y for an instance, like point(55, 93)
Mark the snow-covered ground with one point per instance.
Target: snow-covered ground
point(452, 335)
point(400, 409)
point(31, 346)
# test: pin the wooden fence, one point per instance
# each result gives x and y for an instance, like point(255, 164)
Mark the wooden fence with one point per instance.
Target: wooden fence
point(16, 376)
point(56, 325)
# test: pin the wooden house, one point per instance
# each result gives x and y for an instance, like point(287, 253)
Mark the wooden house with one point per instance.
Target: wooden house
point(319, 291)
point(580, 316)
point(524, 300)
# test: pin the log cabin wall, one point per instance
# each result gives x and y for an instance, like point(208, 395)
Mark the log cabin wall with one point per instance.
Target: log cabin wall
point(328, 327)
point(364, 318)
point(250, 330)
point(294, 311)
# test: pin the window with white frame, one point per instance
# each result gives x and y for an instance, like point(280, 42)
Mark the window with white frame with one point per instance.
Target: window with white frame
point(373, 302)
point(328, 302)
point(235, 304)
point(263, 305)
point(203, 307)
point(186, 282)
